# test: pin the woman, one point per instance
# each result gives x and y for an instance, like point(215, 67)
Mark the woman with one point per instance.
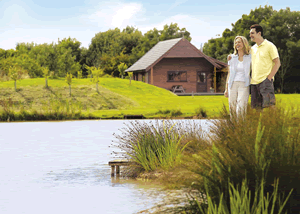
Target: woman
point(238, 78)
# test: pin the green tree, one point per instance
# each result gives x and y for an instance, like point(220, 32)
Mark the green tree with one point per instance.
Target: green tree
point(122, 67)
point(73, 44)
point(96, 73)
point(15, 73)
point(79, 74)
point(46, 75)
point(152, 37)
point(66, 62)
point(281, 28)
point(219, 48)
point(130, 76)
point(69, 78)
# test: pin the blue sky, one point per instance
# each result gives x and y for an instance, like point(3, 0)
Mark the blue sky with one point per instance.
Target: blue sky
point(44, 21)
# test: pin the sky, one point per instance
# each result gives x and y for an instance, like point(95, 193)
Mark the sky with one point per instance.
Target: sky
point(46, 21)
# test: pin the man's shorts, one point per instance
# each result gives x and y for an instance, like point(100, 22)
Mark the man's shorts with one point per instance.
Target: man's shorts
point(262, 94)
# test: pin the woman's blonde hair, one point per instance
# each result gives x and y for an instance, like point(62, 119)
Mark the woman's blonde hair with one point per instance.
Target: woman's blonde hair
point(245, 43)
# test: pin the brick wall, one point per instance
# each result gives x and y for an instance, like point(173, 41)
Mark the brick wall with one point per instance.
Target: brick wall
point(191, 65)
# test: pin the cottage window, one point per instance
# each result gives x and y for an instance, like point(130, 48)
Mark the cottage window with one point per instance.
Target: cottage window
point(201, 77)
point(177, 76)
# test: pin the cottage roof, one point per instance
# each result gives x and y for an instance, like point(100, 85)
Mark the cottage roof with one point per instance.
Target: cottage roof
point(160, 49)
point(153, 54)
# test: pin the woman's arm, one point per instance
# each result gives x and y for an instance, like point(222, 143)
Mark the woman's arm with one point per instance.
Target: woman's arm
point(227, 78)
point(226, 85)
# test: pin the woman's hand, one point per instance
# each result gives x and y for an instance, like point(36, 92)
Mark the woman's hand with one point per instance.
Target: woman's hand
point(229, 57)
point(226, 93)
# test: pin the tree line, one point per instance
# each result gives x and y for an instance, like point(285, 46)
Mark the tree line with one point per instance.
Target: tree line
point(280, 27)
point(111, 51)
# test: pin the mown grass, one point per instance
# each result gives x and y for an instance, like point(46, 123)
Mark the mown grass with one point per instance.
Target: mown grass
point(116, 98)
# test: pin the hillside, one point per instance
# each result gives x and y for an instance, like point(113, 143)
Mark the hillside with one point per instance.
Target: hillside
point(116, 97)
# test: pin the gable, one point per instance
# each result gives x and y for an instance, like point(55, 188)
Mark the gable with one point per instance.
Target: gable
point(183, 49)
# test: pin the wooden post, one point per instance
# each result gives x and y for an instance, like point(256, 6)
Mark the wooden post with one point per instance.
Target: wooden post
point(215, 80)
point(112, 171)
point(192, 93)
point(151, 75)
point(117, 170)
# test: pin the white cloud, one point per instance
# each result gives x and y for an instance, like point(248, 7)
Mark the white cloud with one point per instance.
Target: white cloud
point(10, 38)
point(201, 29)
point(116, 14)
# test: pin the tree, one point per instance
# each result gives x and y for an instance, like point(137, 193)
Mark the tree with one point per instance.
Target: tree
point(281, 27)
point(152, 37)
point(96, 73)
point(130, 76)
point(79, 74)
point(219, 48)
point(122, 67)
point(69, 81)
point(285, 59)
point(15, 73)
point(46, 75)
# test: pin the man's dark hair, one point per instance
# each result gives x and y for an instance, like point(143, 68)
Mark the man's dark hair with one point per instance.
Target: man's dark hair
point(257, 28)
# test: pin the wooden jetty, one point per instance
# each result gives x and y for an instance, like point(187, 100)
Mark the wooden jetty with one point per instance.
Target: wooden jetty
point(115, 164)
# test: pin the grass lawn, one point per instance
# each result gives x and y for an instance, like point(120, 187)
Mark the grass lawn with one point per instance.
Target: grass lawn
point(116, 97)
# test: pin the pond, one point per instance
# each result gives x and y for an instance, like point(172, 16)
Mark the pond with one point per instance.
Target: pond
point(62, 167)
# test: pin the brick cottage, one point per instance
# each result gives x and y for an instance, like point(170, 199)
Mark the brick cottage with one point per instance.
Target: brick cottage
point(176, 62)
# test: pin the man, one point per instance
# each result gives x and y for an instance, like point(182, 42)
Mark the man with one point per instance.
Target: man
point(265, 64)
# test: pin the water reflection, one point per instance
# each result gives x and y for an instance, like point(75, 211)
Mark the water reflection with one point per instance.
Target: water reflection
point(61, 167)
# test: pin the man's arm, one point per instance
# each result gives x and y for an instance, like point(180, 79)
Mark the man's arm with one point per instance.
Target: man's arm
point(275, 68)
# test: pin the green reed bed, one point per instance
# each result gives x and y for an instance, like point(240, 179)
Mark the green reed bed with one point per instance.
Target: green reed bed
point(155, 146)
point(262, 147)
point(241, 201)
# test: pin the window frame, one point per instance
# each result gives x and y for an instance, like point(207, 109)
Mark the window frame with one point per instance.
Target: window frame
point(170, 72)
point(205, 77)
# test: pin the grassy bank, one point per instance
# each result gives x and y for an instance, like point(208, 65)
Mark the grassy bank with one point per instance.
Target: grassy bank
point(244, 165)
point(115, 98)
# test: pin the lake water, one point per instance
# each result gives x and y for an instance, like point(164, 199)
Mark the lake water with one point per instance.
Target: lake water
point(62, 167)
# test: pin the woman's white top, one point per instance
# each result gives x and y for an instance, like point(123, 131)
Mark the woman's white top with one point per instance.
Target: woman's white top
point(233, 67)
point(240, 74)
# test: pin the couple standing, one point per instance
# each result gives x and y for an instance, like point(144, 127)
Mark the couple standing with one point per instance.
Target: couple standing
point(264, 59)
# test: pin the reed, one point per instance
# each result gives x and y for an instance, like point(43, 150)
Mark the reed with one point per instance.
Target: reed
point(241, 201)
point(260, 146)
point(154, 146)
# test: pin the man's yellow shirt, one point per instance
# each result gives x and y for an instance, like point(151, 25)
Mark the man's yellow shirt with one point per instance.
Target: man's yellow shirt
point(262, 60)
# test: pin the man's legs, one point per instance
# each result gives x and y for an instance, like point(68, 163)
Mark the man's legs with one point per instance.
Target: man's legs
point(262, 94)
point(256, 98)
point(266, 89)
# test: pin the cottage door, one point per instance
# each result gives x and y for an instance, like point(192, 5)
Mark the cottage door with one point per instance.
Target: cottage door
point(202, 81)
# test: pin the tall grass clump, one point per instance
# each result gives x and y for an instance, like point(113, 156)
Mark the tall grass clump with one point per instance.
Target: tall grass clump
point(260, 146)
point(154, 146)
point(201, 112)
point(241, 201)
